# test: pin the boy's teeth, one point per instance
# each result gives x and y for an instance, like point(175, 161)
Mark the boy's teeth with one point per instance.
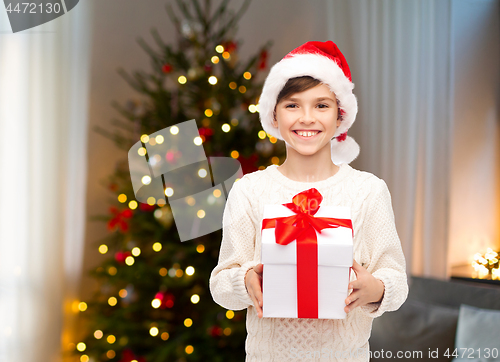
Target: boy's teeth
point(306, 134)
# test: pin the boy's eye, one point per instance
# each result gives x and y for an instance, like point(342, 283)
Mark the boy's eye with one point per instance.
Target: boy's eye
point(320, 105)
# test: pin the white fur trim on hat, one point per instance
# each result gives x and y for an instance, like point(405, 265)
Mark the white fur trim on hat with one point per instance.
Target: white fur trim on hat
point(328, 72)
point(345, 151)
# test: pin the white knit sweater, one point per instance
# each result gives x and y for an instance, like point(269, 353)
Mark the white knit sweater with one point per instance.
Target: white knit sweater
point(376, 247)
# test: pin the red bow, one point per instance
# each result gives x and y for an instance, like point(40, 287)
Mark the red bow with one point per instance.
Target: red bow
point(119, 219)
point(302, 227)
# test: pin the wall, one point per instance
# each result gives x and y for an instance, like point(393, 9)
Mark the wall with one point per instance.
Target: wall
point(475, 177)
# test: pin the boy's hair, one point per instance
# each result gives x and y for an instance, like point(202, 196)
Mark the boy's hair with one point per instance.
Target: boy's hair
point(297, 85)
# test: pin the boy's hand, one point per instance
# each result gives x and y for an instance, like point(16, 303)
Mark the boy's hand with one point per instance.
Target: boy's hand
point(366, 288)
point(253, 283)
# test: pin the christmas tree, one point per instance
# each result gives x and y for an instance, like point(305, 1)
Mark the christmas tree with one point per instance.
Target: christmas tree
point(154, 303)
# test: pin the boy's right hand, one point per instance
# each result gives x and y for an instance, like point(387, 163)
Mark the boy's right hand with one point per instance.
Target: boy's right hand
point(253, 283)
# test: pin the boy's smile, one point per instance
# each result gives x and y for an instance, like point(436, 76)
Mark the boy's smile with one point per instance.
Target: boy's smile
point(307, 121)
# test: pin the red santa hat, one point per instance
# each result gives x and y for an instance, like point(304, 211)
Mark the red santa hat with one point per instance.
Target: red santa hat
point(324, 62)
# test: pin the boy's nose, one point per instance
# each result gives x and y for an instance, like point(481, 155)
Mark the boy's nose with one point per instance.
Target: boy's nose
point(307, 117)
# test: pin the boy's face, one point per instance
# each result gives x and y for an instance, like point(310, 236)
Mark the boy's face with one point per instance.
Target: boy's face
point(313, 111)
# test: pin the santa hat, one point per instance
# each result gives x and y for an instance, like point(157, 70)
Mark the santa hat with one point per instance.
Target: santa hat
point(324, 62)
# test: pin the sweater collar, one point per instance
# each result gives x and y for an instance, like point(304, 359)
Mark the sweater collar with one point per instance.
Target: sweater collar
point(344, 169)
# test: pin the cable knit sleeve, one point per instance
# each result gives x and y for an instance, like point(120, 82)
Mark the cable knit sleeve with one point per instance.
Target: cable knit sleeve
point(227, 280)
point(385, 256)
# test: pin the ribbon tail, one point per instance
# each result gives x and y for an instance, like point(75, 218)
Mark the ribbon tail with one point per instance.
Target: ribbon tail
point(307, 275)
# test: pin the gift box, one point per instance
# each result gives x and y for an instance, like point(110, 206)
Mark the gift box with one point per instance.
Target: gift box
point(307, 255)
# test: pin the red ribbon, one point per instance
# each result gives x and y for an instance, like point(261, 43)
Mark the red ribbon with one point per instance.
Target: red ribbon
point(302, 227)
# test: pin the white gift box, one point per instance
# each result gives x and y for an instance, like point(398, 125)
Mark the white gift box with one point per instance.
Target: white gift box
point(335, 257)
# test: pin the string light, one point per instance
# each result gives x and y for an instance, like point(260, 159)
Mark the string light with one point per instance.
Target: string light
point(202, 173)
point(159, 139)
point(217, 193)
point(110, 354)
point(112, 301)
point(262, 134)
point(235, 154)
point(123, 293)
point(200, 214)
point(197, 141)
point(146, 179)
point(82, 306)
point(122, 198)
point(219, 49)
point(189, 349)
point(209, 112)
point(195, 298)
point(212, 80)
point(233, 85)
point(163, 272)
point(182, 79)
point(487, 265)
point(174, 130)
point(200, 248)
point(103, 249)
point(157, 246)
point(136, 251)
point(188, 322)
point(153, 331)
point(169, 191)
point(98, 334)
point(132, 204)
point(247, 75)
point(129, 260)
point(226, 127)
point(144, 138)
point(111, 339)
point(151, 201)
point(242, 89)
point(229, 314)
point(142, 151)
point(81, 346)
point(252, 108)
point(226, 55)
point(155, 303)
point(189, 270)
point(215, 59)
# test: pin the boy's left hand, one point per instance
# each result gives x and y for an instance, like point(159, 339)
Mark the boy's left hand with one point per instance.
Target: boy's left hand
point(366, 288)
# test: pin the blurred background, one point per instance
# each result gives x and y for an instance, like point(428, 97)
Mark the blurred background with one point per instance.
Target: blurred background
point(89, 274)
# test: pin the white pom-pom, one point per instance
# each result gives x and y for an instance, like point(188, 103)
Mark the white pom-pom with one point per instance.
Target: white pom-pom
point(345, 151)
